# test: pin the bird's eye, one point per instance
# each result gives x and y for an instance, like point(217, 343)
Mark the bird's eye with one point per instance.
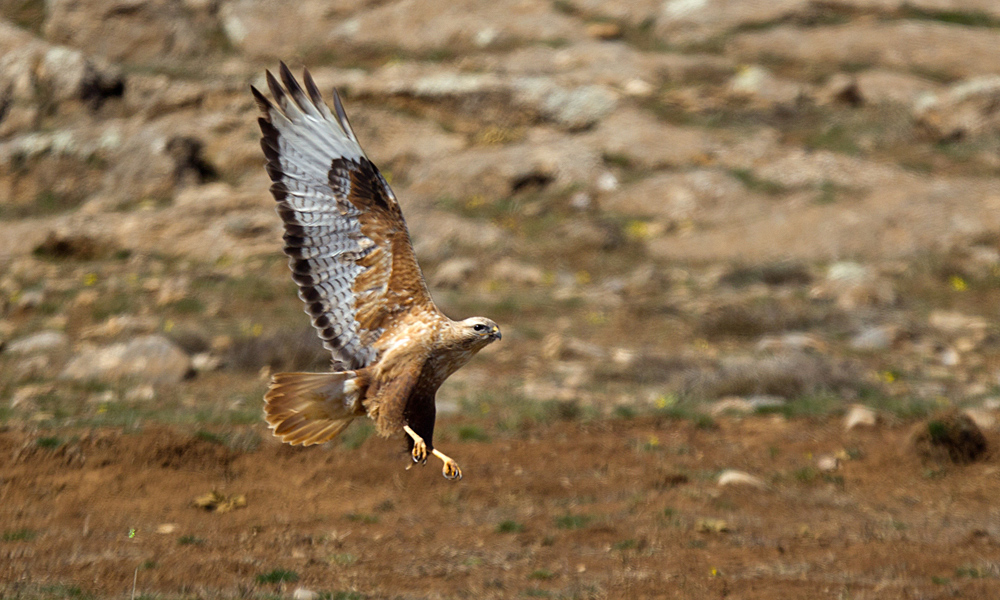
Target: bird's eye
point(479, 327)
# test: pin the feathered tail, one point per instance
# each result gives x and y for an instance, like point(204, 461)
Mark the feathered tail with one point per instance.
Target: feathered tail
point(312, 408)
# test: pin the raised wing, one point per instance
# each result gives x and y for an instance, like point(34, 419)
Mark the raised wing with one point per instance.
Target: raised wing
point(349, 248)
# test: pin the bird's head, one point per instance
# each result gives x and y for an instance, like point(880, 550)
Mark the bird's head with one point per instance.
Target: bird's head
point(476, 333)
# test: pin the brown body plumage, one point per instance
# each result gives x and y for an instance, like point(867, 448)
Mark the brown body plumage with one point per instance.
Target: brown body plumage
point(350, 254)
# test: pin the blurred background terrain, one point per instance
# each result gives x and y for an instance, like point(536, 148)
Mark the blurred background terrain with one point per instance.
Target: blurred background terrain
point(711, 232)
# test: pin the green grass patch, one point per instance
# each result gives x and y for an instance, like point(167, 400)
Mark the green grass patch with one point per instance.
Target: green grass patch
point(361, 518)
point(952, 17)
point(509, 527)
point(569, 521)
point(278, 576)
point(541, 574)
point(356, 434)
point(629, 544)
point(19, 535)
point(472, 433)
point(190, 540)
point(757, 184)
point(48, 442)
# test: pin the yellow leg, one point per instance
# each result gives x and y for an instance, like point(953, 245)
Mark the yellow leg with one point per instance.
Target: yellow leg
point(450, 470)
point(419, 446)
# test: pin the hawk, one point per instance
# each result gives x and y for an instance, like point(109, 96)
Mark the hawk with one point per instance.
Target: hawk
point(350, 254)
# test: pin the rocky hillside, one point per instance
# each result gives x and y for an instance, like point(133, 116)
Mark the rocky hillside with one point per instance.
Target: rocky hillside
point(791, 205)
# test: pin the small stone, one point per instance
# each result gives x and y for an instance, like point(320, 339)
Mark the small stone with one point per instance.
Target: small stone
point(454, 273)
point(143, 393)
point(711, 526)
point(734, 477)
point(827, 463)
point(949, 357)
point(45, 341)
point(204, 362)
point(166, 528)
point(580, 201)
point(951, 436)
point(639, 88)
point(604, 31)
point(152, 358)
point(607, 182)
point(304, 594)
point(984, 419)
point(860, 416)
point(873, 339)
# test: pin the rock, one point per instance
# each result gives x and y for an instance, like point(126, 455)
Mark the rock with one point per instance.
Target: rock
point(966, 109)
point(302, 593)
point(672, 197)
point(873, 339)
point(740, 478)
point(842, 88)
point(757, 83)
point(984, 419)
point(860, 416)
point(493, 172)
point(454, 273)
point(129, 30)
point(951, 436)
point(852, 285)
point(645, 141)
point(711, 526)
point(428, 27)
point(902, 45)
point(794, 340)
point(884, 86)
point(693, 21)
point(573, 108)
point(514, 272)
point(827, 463)
point(36, 73)
point(604, 30)
point(142, 393)
point(955, 323)
point(259, 28)
point(151, 358)
point(166, 528)
point(42, 342)
point(745, 405)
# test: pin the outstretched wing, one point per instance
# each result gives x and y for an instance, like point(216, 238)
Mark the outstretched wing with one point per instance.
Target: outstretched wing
point(349, 248)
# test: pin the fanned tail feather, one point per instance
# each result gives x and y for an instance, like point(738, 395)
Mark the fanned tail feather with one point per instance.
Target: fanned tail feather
point(313, 408)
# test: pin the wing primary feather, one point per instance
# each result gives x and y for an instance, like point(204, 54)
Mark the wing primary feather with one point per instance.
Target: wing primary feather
point(263, 103)
point(276, 91)
point(345, 124)
point(295, 90)
point(317, 98)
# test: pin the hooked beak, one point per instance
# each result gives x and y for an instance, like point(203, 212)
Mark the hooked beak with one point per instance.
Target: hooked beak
point(495, 333)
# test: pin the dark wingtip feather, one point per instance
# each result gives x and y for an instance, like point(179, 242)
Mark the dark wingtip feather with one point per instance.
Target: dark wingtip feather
point(311, 87)
point(293, 87)
point(342, 116)
point(263, 103)
point(275, 87)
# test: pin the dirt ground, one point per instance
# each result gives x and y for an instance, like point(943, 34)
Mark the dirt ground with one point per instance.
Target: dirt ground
point(620, 508)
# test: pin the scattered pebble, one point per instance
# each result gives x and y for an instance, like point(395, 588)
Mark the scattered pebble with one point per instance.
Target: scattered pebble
point(734, 477)
point(304, 594)
point(166, 528)
point(43, 341)
point(984, 419)
point(712, 526)
point(860, 416)
point(827, 463)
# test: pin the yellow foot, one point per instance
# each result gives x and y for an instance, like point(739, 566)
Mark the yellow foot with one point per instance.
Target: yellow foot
point(419, 446)
point(450, 470)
